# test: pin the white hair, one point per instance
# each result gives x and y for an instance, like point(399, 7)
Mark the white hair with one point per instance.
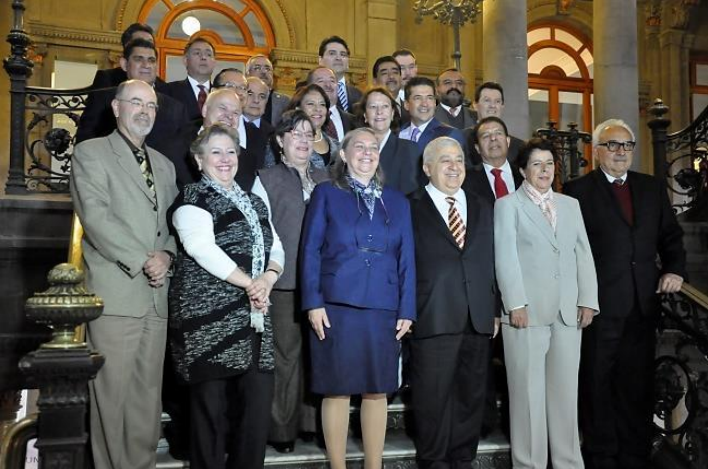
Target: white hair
point(610, 123)
point(432, 149)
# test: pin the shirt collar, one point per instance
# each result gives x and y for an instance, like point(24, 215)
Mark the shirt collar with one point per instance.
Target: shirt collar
point(505, 168)
point(131, 145)
point(195, 84)
point(384, 140)
point(437, 194)
point(449, 109)
point(612, 179)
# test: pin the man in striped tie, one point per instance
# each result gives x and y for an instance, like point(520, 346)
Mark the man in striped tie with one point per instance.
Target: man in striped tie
point(334, 54)
point(449, 350)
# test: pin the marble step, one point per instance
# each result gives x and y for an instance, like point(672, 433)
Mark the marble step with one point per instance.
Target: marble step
point(399, 453)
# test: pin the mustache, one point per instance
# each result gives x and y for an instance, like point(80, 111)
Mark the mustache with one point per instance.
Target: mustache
point(454, 89)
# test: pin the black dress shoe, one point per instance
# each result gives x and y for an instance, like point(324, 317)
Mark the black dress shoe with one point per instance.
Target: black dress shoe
point(286, 447)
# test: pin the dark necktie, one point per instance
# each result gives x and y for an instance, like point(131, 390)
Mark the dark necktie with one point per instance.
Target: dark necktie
point(454, 223)
point(201, 99)
point(330, 128)
point(624, 197)
point(500, 189)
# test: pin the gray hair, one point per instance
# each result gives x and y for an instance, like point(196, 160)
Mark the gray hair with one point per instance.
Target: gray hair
point(433, 149)
point(610, 123)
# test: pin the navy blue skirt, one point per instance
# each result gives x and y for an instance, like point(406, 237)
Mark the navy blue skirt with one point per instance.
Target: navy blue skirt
point(359, 354)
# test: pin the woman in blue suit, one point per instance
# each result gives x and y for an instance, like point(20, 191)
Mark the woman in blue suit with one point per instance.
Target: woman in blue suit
point(358, 286)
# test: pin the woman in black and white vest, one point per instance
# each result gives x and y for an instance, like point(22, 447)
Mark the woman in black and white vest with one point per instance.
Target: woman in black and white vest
point(222, 340)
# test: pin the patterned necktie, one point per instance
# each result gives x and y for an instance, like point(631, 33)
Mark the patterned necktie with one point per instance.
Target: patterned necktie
point(141, 158)
point(201, 99)
point(342, 94)
point(500, 189)
point(415, 134)
point(454, 223)
point(618, 182)
point(330, 129)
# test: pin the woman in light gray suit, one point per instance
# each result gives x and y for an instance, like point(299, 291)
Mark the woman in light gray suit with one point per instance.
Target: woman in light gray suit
point(547, 280)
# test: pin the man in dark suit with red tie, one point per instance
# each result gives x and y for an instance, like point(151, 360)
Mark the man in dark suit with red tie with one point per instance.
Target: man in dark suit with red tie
point(449, 350)
point(199, 60)
point(630, 225)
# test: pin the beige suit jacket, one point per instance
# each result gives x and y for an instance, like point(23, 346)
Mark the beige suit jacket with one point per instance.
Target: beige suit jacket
point(122, 222)
point(545, 271)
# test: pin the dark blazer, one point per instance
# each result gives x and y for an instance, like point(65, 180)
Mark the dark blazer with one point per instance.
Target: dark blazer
point(469, 119)
point(287, 208)
point(399, 160)
point(437, 129)
point(115, 76)
point(476, 181)
point(353, 97)
point(257, 140)
point(474, 158)
point(625, 254)
point(275, 107)
point(454, 286)
point(182, 91)
point(170, 132)
point(350, 260)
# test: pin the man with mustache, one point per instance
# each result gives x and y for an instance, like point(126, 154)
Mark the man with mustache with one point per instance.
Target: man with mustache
point(451, 92)
point(387, 74)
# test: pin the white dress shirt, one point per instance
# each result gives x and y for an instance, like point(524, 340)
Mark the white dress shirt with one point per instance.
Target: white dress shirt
point(612, 179)
point(453, 111)
point(407, 133)
point(384, 140)
point(337, 121)
point(195, 227)
point(195, 86)
point(443, 207)
point(506, 175)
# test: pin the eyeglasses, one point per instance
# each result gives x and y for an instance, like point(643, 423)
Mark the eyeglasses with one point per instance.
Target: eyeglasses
point(232, 85)
point(139, 104)
point(614, 145)
point(258, 68)
point(306, 136)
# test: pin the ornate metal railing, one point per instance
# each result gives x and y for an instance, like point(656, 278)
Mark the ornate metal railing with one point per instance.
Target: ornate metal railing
point(569, 156)
point(682, 157)
point(681, 405)
point(41, 122)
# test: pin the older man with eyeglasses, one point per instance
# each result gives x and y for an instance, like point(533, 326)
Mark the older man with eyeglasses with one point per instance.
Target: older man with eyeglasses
point(630, 224)
point(260, 66)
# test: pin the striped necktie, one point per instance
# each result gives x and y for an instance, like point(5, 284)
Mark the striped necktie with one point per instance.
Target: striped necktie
point(415, 134)
point(141, 158)
point(342, 94)
point(454, 223)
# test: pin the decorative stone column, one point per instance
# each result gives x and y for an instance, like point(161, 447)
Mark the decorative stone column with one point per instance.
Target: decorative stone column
point(382, 30)
point(505, 55)
point(616, 76)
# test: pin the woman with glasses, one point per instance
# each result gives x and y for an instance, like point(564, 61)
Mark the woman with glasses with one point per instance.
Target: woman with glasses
point(546, 276)
point(289, 185)
point(313, 101)
point(399, 159)
point(357, 273)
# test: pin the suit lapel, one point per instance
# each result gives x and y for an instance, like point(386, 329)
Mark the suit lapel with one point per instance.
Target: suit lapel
point(127, 162)
point(434, 217)
point(534, 213)
point(472, 218)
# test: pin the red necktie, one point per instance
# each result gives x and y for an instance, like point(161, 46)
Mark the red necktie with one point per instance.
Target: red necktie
point(201, 99)
point(500, 189)
point(330, 129)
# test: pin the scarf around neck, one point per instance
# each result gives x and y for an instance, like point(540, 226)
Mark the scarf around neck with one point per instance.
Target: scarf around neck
point(546, 202)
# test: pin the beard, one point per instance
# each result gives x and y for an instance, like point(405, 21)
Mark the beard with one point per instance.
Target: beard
point(452, 98)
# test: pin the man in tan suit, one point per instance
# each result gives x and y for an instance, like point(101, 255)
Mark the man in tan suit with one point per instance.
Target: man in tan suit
point(121, 191)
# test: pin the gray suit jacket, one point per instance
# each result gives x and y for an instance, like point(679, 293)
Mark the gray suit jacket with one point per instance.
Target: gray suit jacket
point(545, 271)
point(278, 104)
point(122, 222)
point(468, 118)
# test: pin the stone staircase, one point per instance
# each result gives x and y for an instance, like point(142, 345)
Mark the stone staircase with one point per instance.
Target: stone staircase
point(399, 451)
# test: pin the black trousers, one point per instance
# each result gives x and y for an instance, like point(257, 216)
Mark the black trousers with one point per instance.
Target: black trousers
point(448, 388)
point(231, 415)
point(616, 391)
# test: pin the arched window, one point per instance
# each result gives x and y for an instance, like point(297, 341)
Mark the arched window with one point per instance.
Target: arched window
point(238, 29)
point(560, 77)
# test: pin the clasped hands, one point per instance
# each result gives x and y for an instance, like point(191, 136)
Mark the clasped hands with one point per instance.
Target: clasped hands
point(259, 290)
point(519, 318)
point(156, 268)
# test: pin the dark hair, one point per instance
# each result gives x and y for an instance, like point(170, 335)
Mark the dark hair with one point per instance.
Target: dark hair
point(194, 40)
point(403, 51)
point(288, 121)
point(360, 107)
point(329, 40)
point(296, 100)
point(127, 35)
point(338, 170)
point(417, 81)
point(452, 69)
point(212, 131)
point(128, 49)
point(383, 60)
point(216, 83)
point(487, 120)
point(535, 143)
point(490, 85)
